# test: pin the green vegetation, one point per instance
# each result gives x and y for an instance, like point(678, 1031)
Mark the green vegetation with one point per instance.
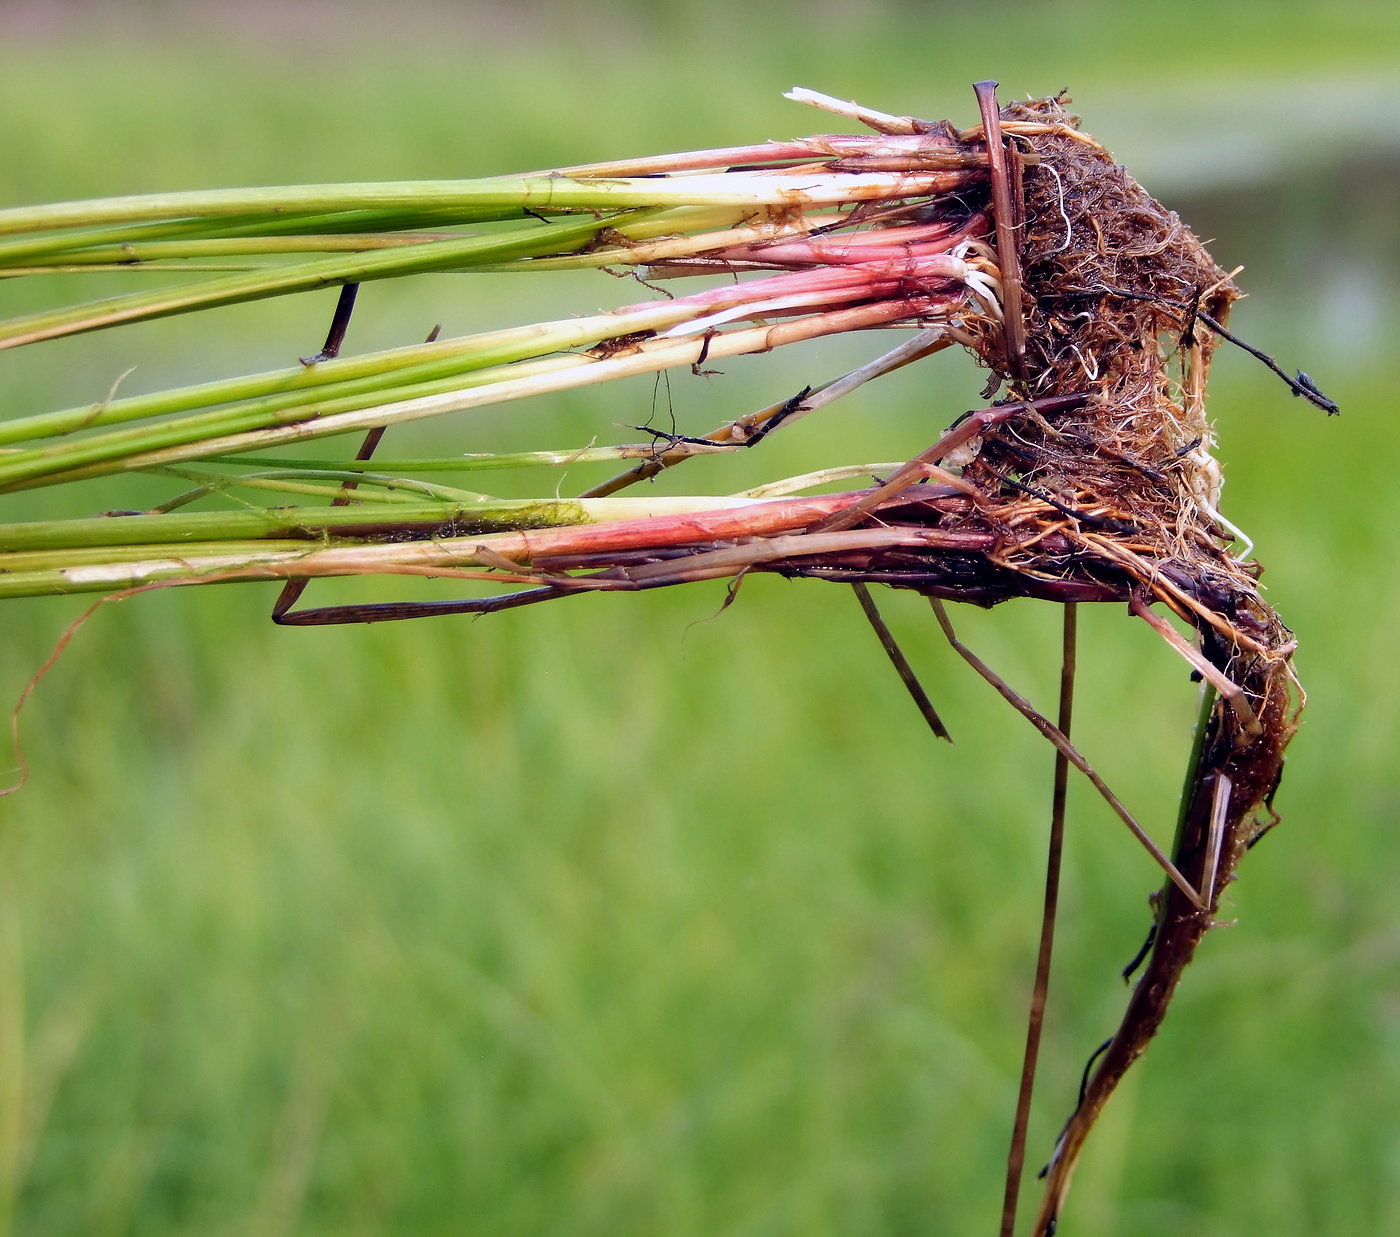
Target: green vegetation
point(612, 917)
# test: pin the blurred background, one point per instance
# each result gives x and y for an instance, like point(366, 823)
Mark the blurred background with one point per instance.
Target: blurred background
point(617, 916)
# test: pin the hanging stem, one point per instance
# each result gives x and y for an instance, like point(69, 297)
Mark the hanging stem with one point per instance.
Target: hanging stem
point(1016, 1159)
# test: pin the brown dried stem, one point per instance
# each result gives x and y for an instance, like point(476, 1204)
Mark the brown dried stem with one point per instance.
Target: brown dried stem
point(1016, 1158)
point(900, 662)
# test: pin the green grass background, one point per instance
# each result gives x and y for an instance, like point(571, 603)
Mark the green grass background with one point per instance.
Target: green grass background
point(613, 917)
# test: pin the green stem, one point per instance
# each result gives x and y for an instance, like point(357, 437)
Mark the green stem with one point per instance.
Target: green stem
point(300, 277)
point(194, 532)
point(466, 463)
point(133, 248)
point(308, 393)
point(103, 454)
point(277, 483)
point(195, 440)
point(294, 481)
point(1193, 763)
point(139, 257)
point(129, 268)
point(537, 193)
point(190, 529)
point(28, 563)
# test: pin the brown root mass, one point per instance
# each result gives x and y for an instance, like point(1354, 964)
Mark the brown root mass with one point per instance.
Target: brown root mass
point(1119, 500)
point(1111, 283)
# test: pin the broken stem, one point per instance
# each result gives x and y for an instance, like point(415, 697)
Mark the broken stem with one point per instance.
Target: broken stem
point(1219, 812)
point(1212, 674)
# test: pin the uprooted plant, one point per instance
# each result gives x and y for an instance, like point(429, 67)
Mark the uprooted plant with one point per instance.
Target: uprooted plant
point(1091, 480)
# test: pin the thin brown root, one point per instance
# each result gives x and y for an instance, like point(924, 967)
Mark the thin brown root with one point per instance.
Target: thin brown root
point(1067, 749)
point(52, 660)
point(900, 662)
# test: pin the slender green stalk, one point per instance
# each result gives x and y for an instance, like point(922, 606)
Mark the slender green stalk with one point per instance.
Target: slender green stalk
point(125, 242)
point(134, 248)
point(125, 268)
point(237, 430)
point(299, 277)
point(471, 463)
point(536, 193)
point(289, 483)
point(277, 223)
point(191, 529)
point(139, 257)
point(305, 387)
point(192, 556)
point(292, 481)
point(824, 476)
point(43, 465)
point(394, 367)
point(47, 245)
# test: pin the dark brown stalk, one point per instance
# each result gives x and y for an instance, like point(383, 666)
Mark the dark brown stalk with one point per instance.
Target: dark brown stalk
point(900, 662)
point(335, 337)
point(1016, 1158)
point(340, 323)
point(293, 589)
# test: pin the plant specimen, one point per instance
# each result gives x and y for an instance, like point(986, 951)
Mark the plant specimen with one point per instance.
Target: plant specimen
point(1093, 309)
